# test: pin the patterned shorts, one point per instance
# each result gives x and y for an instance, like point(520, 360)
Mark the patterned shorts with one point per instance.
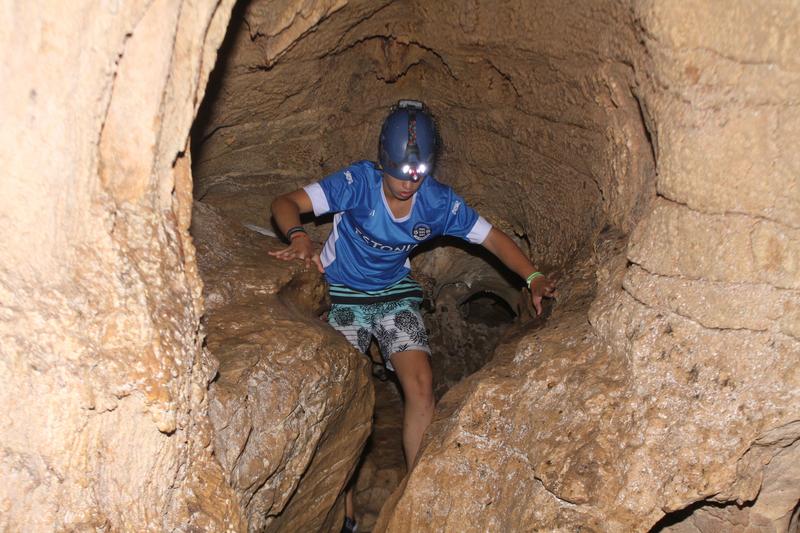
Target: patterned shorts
point(397, 326)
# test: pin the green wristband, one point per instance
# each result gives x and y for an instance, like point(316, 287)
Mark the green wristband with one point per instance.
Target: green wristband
point(533, 277)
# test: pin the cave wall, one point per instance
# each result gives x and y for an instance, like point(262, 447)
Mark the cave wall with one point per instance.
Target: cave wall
point(291, 405)
point(104, 393)
point(683, 390)
point(676, 388)
point(709, 312)
point(663, 395)
point(541, 126)
point(118, 416)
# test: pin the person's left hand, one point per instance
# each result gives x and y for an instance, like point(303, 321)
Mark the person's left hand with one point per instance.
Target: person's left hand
point(542, 287)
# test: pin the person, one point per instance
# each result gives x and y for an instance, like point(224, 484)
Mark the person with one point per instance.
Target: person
point(382, 213)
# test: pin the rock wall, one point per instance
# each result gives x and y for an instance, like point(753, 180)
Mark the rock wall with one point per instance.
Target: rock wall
point(104, 397)
point(666, 379)
point(291, 407)
point(111, 422)
point(684, 392)
point(541, 127)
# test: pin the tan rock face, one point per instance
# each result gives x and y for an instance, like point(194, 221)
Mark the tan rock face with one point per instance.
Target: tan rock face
point(685, 388)
point(532, 114)
point(497, 79)
point(104, 424)
point(666, 378)
point(291, 407)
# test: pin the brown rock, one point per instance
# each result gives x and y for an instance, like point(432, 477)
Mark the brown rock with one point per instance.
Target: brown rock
point(291, 407)
point(497, 92)
point(756, 181)
point(105, 424)
point(671, 400)
point(676, 241)
point(759, 307)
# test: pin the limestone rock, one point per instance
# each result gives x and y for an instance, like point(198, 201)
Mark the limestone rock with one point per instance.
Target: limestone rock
point(676, 241)
point(663, 390)
point(758, 307)
point(291, 406)
point(585, 427)
point(774, 511)
point(532, 115)
point(105, 420)
point(683, 402)
point(507, 452)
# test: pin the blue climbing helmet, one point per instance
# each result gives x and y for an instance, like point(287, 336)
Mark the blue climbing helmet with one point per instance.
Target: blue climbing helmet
point(408, 141)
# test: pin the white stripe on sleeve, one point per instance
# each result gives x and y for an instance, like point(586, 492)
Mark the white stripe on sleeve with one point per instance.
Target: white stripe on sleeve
point(479, 231)
point(318, 200)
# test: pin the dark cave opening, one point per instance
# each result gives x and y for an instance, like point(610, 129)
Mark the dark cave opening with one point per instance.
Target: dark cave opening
point(486, 307)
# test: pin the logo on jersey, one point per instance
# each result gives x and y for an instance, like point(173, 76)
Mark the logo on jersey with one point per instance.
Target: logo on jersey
point(455, 207)
point(421, 232)
point(349, 177)
point(381, 246)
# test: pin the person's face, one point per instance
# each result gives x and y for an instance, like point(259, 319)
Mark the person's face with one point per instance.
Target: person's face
point(400, 189)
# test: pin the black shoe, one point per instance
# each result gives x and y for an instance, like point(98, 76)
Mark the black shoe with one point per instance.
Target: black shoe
point(350, 525)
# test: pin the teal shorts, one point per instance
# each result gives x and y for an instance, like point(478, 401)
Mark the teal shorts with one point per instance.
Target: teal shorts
point(396, 325)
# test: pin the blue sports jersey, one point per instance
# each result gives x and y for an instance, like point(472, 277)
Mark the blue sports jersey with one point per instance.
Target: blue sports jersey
point(368, 247)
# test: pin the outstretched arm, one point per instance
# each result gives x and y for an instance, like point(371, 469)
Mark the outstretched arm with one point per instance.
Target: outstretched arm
point(509, 253)
point(286, 210)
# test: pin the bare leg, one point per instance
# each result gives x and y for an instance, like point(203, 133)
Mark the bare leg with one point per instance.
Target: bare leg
point(414, 372)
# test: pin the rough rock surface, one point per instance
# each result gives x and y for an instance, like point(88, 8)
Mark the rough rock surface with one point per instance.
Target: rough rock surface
point(532, 113)
point(383, 464)
point(291, 407)
point(452, 274)
point(542, 130)
point(104, 397)
point(664, 389)
point(683, 389)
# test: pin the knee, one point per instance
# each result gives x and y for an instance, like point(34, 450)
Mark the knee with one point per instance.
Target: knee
point(420, 385)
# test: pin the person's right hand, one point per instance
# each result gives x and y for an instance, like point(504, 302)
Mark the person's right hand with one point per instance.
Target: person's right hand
point(301, 247)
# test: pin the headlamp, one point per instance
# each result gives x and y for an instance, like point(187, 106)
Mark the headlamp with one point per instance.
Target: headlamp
point(414, 173)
